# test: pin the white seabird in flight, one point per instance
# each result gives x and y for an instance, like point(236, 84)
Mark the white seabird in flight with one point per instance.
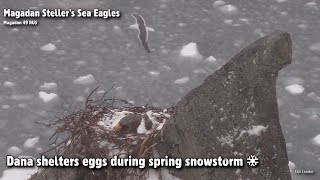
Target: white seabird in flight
point(141, 26)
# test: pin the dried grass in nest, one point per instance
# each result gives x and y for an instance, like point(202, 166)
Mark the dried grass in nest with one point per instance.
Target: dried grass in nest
point(86, 138)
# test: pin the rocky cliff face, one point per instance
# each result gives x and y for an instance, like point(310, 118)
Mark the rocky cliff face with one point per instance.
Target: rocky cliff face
point(234, 113)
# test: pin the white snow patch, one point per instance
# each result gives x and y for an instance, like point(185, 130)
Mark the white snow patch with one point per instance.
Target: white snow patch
point(302, 26)
point(280, 1)
point(5, 106)
point(47, 97)
point(295, 115)
point(199, 71)
point(161, 125)
point(14, 151)
point(316, 140)
point(256, 130)
point(116, 28)
point(238, 171)
point(226, 140)
point(48, 86)
point(114, 120)
point(131, 101)
point(211, 59)
point(244, 20)
point(292, 166)
point(228, 21)
point(14, 30)
point(259, 32)
point(314, 117)
point(100, 92)
point(31, 142)
point(142, 127)
point(85, 80)
point(218, 3)
point(182, 80)
point(312, 5)
point(182, 24)
point(9, 84)
point(228, 9)
point(48, 47)
point(315, 47)
point(295, 89)
point(190, 51)
point(314, 97)
point(19, 173)
point(154, 73)
point(150, 116)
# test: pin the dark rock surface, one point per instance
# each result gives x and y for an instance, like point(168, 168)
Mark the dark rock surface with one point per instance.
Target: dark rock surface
point(234, 113)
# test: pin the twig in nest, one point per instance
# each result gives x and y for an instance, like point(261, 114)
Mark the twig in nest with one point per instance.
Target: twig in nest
point(54, 147)
point(88, 97)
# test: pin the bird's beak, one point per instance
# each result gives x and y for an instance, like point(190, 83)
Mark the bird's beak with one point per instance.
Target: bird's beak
point(117, 128)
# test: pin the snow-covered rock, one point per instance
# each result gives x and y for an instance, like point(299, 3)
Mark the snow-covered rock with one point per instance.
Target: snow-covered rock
point(9, 84)
point(257, 130)
point(14, 151)
point(31, 142)
point(182, 80)
point(5, 106)
point(47, 97)
point(85, 80)
point(229, 9)
point(211, 59)
point(316, 140)
point(292, 166)
point(48, 47)
point(280, 1)
point(190, 51)
point(142, 127)
point(295, 89)
point(218, 4)
point(154, 73)
point(19, 173)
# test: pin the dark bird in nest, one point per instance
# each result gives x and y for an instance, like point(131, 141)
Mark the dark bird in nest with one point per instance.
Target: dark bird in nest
point(130, 123)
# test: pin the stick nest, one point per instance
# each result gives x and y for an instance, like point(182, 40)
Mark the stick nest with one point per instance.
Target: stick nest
point(89, 133)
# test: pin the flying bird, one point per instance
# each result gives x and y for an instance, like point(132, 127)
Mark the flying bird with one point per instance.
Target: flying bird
point(141, 26)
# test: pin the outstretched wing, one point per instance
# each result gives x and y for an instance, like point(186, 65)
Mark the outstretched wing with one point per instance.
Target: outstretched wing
point(143, 33)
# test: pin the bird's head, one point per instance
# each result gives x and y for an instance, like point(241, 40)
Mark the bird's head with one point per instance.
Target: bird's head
point(117, 128)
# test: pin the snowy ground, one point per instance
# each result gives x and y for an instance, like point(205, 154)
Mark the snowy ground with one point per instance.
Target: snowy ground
point(61, 61)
